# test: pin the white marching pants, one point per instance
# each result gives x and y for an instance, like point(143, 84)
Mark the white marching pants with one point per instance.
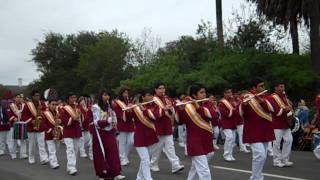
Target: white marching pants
point(37, 138)
point(229, 142)
point(259, 156)
point(53, 161)
point(13, 146)
point(278, 155)
point(199, 169)
point(216, 132)
point(125, 140)
point(86, 142)
point(240, 134)
point(72, 145)
point(166, 144)
point(144, 153)
point(182, 134)
point(4, 138)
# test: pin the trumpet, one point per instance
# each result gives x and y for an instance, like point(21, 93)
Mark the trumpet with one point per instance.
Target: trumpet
point(140, 104)
point(188, 102)
point(290, 113)
point(251, 97)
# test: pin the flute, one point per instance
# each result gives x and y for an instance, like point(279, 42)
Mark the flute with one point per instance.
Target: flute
point(140, 104)
point(251, 97)
point(188, 102)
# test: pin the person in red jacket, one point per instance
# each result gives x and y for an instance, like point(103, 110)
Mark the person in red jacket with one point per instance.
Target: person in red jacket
point(281, 110)
point(228, 123)
point(197, 119)
point(239, 123)
point(4, 122)
point(212, 105)
point(105, 150)
point(125, 125)
point(70, 118)
point(53, 131)
point(257, 127)
point(14, 114)
point(145, 136)
point(85, 105)
point(32, 115)
point(164, 122)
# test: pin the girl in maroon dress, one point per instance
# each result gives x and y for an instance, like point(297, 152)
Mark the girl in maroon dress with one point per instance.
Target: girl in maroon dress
point(105, 150)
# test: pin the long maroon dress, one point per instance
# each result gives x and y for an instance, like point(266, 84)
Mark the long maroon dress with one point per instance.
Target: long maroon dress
point(107, 165)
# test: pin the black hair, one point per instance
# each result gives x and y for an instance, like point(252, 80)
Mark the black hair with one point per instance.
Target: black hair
point(255, 82)
point(50, 100)
point(195, 88)
point(226, 88)
point(143, 92)
point(17, 94)
point(69, 95)
point(33, 92)
point(103, 106)
point(158, 84)
point(275, 83)
point(121, 91)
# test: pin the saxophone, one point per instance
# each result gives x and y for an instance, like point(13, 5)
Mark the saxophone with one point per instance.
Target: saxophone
point(57, 130)
point(38, 119)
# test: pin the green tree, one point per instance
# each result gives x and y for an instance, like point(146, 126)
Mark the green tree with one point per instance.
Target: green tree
point(104, 63)
point(289, 13)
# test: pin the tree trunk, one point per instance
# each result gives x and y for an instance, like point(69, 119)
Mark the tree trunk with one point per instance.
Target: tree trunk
point(294, 35)
point(315, 36)
point(219, 23)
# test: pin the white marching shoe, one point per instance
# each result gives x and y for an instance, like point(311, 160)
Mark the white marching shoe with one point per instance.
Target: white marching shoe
point(119, 177)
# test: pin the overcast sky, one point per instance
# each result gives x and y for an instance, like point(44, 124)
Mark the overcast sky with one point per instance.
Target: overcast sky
point(24, 22)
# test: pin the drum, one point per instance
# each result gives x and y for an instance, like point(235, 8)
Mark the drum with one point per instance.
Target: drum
point(20, 131)
point(295, 126)
point(316, 139)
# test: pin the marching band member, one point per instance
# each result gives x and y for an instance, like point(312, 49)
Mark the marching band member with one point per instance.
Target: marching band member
point(4, 122)
point(213, 108)
point(239, 124)
point(86, 118)
point(181, 128)
point(105, 150)
point(53, 131)
point(281, 109)
point(145, 136)
point(32, 115)
point(70, 118)
point(14, 113)
point(199, 133)
point(164, 122)
point(228, 117)
point(125, 125)
point(257, 127)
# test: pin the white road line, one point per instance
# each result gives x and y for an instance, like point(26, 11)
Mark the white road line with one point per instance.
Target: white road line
point(265, 174)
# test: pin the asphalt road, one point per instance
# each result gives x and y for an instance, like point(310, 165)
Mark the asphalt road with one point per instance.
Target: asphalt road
point(306, 166)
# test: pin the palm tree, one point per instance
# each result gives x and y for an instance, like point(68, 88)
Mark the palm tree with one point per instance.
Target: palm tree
point(289, 13)
point(219, 23)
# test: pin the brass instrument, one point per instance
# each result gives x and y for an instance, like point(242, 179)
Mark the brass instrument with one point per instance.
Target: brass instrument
point(113, 116)
point(57, 130)
point(291, 112)
point(37, 122)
